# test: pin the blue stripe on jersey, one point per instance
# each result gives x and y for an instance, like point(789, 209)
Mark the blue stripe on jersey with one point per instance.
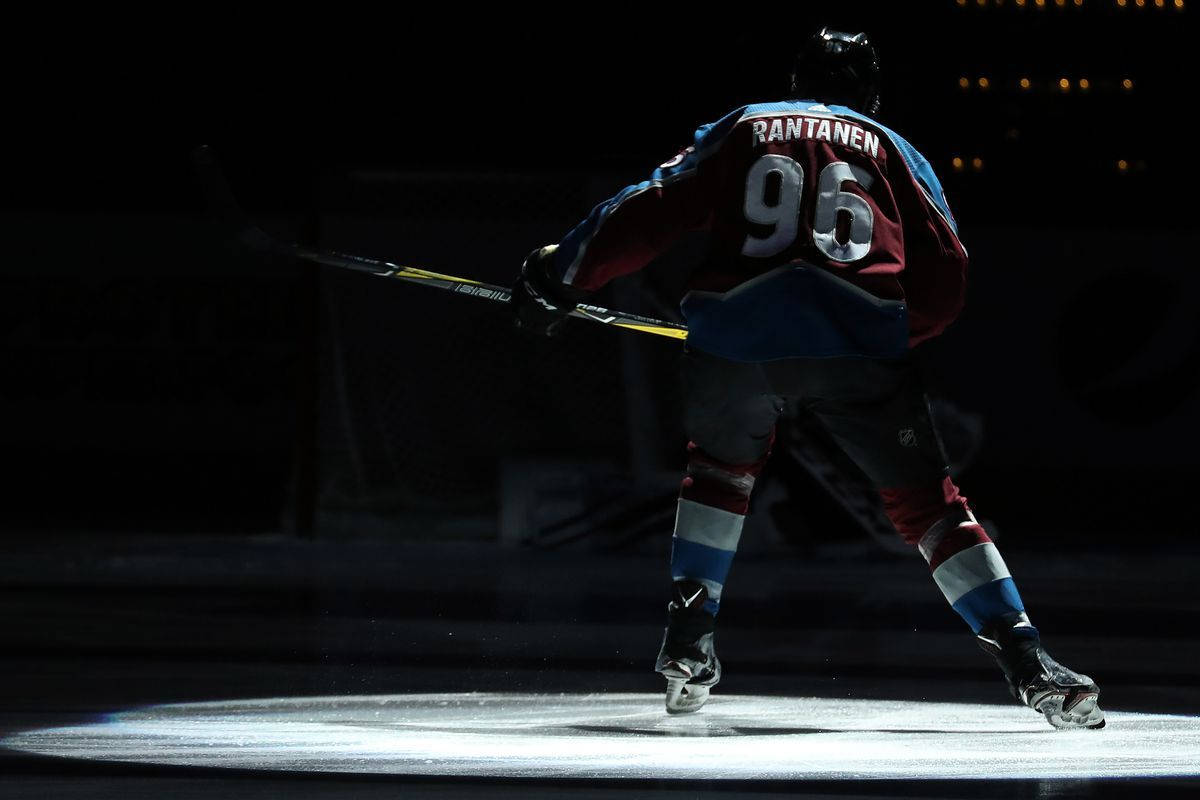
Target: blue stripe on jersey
point(989, 602)
point(699, 561)
point(705, 142)
point(795, 312)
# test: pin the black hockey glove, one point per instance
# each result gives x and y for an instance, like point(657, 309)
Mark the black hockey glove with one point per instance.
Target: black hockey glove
point(540, 301)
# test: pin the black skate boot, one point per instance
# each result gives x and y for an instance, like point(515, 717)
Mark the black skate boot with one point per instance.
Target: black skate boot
point(1066, 698)
point(687, 658)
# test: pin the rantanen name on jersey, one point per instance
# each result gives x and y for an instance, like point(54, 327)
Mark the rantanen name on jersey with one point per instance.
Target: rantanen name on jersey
point(786, 129)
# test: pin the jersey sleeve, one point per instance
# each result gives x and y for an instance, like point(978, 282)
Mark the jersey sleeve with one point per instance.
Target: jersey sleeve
point(628, 231)
point(934, 256)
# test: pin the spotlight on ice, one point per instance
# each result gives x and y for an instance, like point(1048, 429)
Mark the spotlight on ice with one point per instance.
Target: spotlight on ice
point(628, 736)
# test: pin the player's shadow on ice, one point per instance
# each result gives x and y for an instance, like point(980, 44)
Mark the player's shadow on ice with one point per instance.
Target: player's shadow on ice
point(741, 730)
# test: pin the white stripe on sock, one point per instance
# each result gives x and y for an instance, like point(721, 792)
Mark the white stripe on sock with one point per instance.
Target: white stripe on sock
point(970, 569)
point(714, 527)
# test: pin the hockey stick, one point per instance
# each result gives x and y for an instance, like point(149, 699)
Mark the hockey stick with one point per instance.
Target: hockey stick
point(225, 206)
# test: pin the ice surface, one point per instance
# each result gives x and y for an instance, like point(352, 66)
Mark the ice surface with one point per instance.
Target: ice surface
point(629, 736)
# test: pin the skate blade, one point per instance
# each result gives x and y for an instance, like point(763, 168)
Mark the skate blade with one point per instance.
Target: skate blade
point(1084, 713)
point(684, 699)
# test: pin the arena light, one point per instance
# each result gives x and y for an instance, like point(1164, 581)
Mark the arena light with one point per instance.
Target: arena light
point(977, 164)
point(957, 163)
point(984, 83)
point(1064, 84)
point(964, 83)
point(1085, 84)
point(1025, 83)
point(1122, 165)
point(1127, 85)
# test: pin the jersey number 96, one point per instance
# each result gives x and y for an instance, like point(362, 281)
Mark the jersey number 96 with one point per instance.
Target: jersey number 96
point(784, 215)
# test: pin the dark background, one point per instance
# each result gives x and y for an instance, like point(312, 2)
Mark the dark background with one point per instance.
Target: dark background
point(157, 378)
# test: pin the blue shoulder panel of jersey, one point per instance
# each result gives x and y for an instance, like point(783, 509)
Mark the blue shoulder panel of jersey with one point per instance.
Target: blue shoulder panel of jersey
point(917, 164)
point(707, 140)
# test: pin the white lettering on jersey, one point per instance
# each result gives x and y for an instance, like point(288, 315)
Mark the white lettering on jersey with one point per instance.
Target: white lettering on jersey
point(871, 142)
point(790, 129)
point(760, 130)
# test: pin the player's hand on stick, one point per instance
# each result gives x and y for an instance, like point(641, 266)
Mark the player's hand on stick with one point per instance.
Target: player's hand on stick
point(541, 302)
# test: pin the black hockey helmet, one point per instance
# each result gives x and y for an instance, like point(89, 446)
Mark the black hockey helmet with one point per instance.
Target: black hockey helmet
point(839, 67)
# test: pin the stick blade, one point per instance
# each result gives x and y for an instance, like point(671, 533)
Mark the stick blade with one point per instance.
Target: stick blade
point(222, 204)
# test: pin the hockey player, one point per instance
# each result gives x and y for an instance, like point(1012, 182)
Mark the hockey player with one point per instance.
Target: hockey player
point(831, 252)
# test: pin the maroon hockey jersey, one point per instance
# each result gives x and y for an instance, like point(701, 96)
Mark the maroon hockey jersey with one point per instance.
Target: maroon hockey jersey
point(829, 235)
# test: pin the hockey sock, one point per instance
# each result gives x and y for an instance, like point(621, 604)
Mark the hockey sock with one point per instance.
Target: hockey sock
point(965, 563)
point(713, 501)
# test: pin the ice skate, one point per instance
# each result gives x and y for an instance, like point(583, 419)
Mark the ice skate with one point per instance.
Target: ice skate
point(687, 659)
point(1066, 698)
